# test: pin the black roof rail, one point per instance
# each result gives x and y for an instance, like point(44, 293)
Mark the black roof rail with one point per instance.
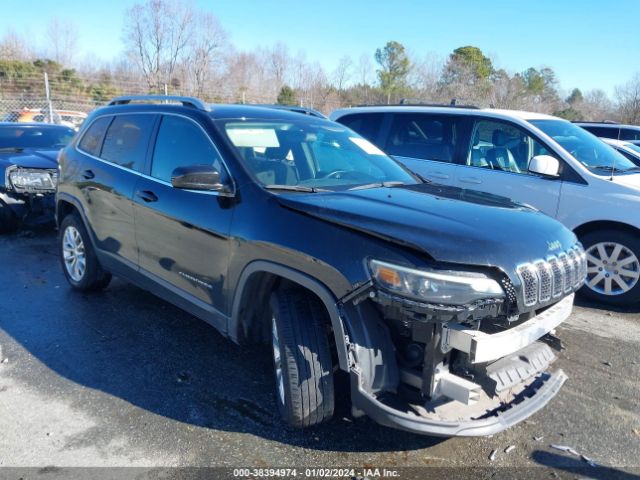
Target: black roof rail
point(293, 108)
point(603, 122)
point(192, 102)
point(419, 103)
point(407, 102)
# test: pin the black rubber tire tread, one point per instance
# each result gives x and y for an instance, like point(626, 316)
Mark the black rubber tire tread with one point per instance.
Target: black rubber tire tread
point(306, 357)
point(628, 240)
point(95, 277)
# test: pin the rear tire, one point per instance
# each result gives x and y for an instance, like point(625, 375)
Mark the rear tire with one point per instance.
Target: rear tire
point(301, 358)
point(79, 262)
point(613, 267)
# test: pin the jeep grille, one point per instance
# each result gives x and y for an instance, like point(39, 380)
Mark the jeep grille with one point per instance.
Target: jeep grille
point(544, 280)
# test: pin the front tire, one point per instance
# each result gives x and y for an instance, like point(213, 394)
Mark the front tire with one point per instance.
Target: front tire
point(301, 358)
point(613, 267)
point(79, 262)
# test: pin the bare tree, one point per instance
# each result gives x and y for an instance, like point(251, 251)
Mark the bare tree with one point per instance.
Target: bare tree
point(14, 47)
point(596, 105)
point(208, 39)
point(314, 89)
point(628, 100)
point(279, 62)
point(364, 69)
point(424, 77)
point(342, 73)
point(62, 39)
point(157, 34)
point(506, 91)
point(298, 71)
point(247, 78)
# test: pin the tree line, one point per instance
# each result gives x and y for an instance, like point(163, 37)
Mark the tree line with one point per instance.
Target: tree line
point(172, 46)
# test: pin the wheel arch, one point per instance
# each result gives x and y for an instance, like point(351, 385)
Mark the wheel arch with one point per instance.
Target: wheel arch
point(66, 204)
point(257, 281)
point(604, 224)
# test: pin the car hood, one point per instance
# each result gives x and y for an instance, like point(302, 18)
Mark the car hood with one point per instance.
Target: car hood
point(447, 223)
point(628, 180)
point(30, 158)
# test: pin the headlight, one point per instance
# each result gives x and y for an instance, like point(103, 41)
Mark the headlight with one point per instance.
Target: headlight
point(446, 287)
point(33, 180)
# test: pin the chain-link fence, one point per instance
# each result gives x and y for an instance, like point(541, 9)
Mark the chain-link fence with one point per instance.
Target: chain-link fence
point(25, 99)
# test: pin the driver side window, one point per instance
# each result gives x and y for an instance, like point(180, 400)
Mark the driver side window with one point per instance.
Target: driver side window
point(182, 143)
point(503, 147)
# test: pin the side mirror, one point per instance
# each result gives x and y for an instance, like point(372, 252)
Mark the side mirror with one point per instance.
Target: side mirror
point(197, 177)
point(545, 165)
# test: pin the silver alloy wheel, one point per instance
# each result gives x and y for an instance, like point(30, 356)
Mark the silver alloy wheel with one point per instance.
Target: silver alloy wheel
point(612, 268)
point(75, 260)
point(277, 359)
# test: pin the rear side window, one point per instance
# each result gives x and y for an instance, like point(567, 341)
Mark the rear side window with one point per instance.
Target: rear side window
point(604, 132)
point(428, 137)
point(366, 125)
point(182, 143)
point(629, 134)
point(92, 140)
point(126, 141)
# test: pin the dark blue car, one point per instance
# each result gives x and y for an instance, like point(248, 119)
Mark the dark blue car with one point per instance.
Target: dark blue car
point(29, 172)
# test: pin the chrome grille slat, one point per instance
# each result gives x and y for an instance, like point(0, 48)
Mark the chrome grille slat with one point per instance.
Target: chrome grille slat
point(558, 276)
point(529, 284)
point(543, 280)
point(567, 268)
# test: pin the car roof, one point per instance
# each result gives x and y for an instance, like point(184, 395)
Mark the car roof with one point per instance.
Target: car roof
point(608, 125)
point(215, 111)
point(33, 124)
point(613, 141)
point(224, 111)
point(617, 143)
point(491, 112)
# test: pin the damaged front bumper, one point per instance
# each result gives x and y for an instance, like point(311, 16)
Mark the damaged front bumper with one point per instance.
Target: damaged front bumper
point(29, 208)
point(534, 397)
point(471, 383)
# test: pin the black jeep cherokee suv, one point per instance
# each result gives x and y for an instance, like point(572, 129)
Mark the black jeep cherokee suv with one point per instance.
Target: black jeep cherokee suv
point(289, 229)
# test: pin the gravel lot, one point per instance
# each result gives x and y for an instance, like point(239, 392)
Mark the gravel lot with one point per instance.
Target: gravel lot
point(121, 378)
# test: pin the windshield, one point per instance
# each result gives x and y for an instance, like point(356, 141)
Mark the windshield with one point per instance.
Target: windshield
point(46, 137)
point(584, 146)
point(311, 153)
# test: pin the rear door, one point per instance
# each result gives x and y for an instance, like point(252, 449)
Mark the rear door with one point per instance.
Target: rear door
point(427, 144)
point(497, 161)
point(115, 149)
point(182, 235)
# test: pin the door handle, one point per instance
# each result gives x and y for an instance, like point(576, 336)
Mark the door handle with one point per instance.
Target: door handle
point(442, 176)
point(147, 196)
point(88, 174)
point(474, 180)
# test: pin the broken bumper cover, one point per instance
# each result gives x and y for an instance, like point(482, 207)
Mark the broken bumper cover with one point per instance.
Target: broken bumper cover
point(483, 347)
point(30, 208)
point(538, 395)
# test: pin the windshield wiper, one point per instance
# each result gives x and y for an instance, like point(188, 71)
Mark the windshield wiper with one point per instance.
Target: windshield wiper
point(11, 149)
point(615, 169)
point(377, 185)
point(424, 179)
point(295, 188)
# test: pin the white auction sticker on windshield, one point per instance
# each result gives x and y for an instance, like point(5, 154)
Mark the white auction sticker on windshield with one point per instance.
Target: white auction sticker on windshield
point(253, 137)
point(367, 146)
